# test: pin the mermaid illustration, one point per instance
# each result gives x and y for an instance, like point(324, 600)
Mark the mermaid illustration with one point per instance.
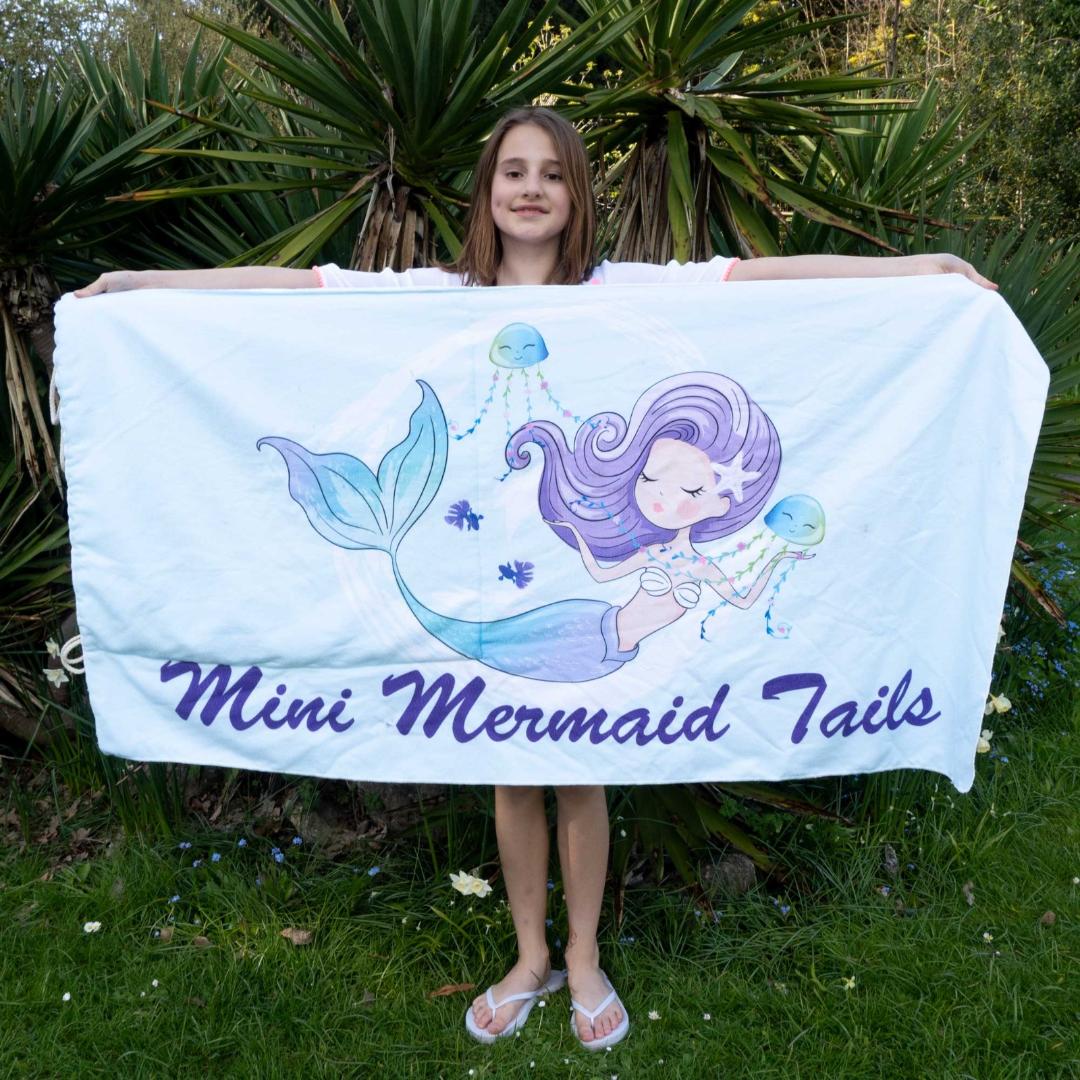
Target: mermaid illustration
point(696, 461)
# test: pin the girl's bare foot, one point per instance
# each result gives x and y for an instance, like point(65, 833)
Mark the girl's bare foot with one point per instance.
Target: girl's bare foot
point(587, 986)
point(525, 975)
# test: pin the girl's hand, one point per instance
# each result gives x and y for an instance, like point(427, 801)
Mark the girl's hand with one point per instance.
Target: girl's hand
point(566, 525)
point(949, 264)
point(114, 281)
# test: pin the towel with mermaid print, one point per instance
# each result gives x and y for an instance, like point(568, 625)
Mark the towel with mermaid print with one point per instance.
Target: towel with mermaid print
point(546, 535)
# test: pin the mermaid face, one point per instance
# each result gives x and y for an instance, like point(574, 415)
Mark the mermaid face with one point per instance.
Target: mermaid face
point(675, 486)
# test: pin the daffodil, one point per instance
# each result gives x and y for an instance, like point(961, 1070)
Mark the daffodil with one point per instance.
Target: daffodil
point(998, 703)
point(983, 745)
point(469, 885)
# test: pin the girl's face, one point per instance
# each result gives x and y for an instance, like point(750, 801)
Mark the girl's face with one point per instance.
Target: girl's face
point(674, 488)
point(530, 202)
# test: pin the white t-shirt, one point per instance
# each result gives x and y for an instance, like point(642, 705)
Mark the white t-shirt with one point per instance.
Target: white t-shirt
point(331, 276)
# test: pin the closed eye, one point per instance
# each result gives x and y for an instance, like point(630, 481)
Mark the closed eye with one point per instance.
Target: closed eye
point(696, 492)
point(648, 479)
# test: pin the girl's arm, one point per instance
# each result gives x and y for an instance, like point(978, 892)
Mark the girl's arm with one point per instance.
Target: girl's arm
point(604, 573)
point(719, 583)
point(771, 268)
point(232, 277)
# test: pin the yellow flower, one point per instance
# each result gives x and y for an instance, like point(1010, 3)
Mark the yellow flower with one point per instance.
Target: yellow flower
point(988, 937)
point(983, 745)
point(998, 703)
point(848, 983)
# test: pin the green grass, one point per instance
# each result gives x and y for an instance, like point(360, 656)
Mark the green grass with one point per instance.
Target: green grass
point(932, 998)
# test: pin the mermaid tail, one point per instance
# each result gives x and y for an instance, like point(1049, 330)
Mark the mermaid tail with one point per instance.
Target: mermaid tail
point(349, 505)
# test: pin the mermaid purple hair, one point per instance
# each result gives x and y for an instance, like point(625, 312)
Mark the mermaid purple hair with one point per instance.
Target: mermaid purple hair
point(595, 483)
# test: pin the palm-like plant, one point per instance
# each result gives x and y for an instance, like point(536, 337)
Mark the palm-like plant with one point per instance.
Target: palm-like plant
point(58, 165)
point(912, 161)
point(695, 108)
point(387, 127)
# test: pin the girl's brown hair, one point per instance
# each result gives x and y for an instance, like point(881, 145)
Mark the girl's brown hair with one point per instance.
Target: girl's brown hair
point(481, 253)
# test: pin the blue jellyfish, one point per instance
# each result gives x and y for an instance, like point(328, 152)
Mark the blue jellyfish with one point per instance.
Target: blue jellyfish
point(516, 348)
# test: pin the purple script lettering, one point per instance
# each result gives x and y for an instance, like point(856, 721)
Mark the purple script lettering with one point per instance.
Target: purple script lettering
point(841, 719)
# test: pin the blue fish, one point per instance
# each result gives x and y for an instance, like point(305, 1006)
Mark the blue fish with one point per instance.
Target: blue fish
point(462, 514)
point(521, 573)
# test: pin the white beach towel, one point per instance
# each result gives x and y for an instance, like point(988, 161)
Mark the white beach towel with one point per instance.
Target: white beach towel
point(551, 535)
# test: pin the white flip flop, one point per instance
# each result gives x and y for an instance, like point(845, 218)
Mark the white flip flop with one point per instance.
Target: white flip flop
point(612, 1037)
point(555, 981)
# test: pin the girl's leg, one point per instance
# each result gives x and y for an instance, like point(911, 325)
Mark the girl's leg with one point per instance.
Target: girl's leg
point(583, 853)
point(522, 831)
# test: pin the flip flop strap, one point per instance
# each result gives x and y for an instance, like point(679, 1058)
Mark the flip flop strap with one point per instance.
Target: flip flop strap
point(594, 1013)
point(506, 1000)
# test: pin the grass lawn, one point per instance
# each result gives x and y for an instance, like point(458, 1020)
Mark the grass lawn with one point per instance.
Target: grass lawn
point(950, 979)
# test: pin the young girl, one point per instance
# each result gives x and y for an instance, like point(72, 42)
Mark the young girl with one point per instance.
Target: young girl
point(531, 222)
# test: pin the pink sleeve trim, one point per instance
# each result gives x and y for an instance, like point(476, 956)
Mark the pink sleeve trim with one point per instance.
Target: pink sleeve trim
point(320, 281)
point(730, 267)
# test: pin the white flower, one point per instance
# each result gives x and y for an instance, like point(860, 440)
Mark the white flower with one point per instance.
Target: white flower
point(654, 1015)
point(469, 885)
point(541, 1003)
point(998, 703)
point(67, 996)
point(1001, 632)
point(153, 982)
point(848, 983)
point(983, 745)
point(706, 1016)
point(57, 676)
point(52, 648)
point(91, 927)
point(1076, 880)
point(987, 936)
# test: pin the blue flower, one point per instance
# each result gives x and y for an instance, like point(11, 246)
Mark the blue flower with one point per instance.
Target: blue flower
point(241, 842)
point(174, 899)
point(215, 857)
point(297, 841)
point(551, 885)
point(697, 913)
point(784, 909)
point(626, 939)
point(258, 879)
point(279, 857)
point(558, 943)
point(373, 871)
point(197, 862)
point(184, 845)
point(549, 922)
